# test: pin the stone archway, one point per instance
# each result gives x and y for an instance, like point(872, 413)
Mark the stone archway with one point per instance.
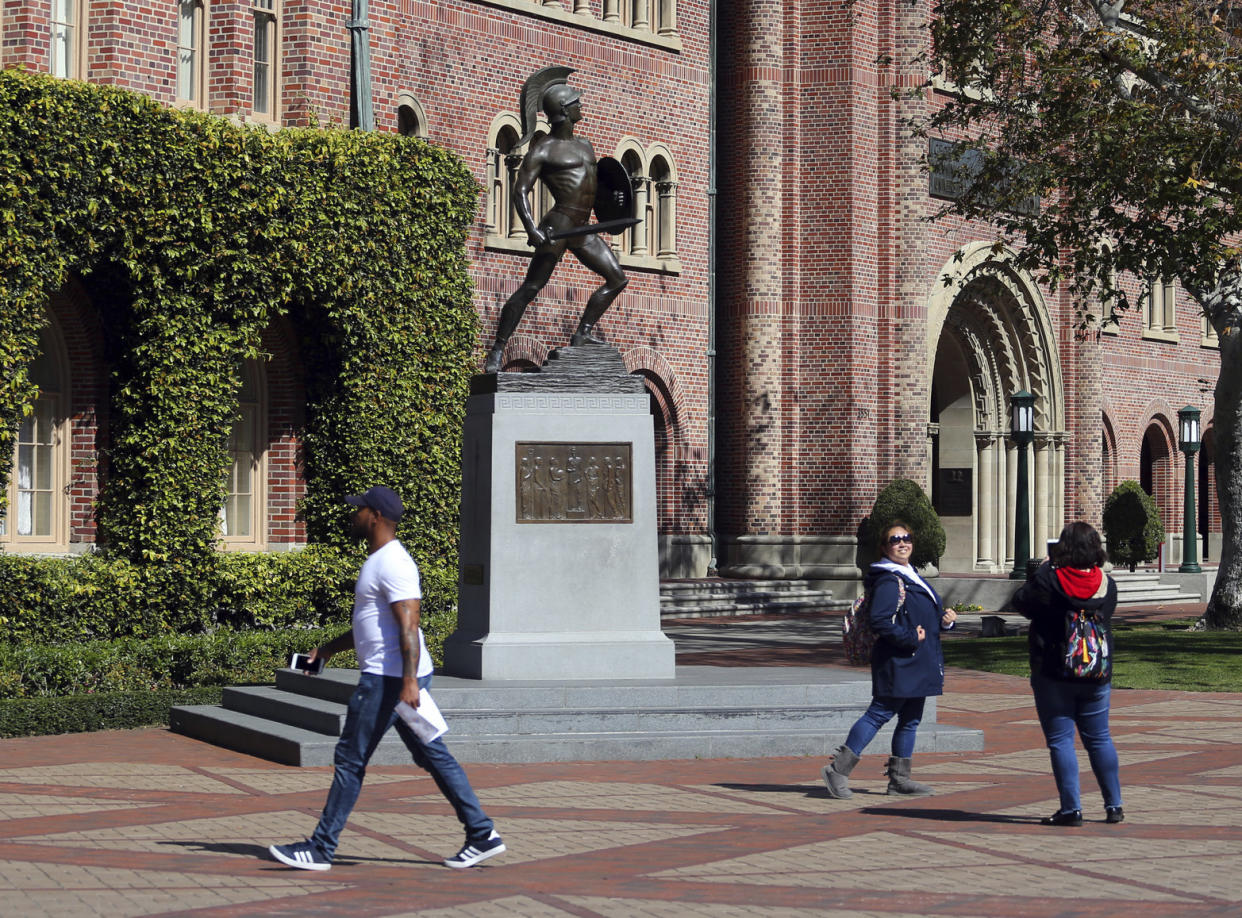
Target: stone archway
point(992, 337)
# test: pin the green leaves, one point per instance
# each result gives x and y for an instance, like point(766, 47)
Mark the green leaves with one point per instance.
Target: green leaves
point(199, 235)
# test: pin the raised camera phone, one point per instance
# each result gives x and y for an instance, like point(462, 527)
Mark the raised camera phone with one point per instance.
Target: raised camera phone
point(303, 663)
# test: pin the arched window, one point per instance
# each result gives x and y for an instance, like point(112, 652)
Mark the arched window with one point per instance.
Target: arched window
point(241, 517)
point(411, 119)
point(502, 166)
point(267, 59)
point(504, 157)
point(37, 509)
point(634, 240)
point(663, 230)
point(192, 53)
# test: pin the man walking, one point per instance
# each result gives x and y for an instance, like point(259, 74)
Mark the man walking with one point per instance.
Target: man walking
point(394, 664)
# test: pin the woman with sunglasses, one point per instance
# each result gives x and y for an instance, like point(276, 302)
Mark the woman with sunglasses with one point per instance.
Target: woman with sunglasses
point(906, 664)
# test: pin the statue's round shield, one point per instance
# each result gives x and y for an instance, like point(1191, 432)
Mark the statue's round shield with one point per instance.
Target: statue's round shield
point(614, 192)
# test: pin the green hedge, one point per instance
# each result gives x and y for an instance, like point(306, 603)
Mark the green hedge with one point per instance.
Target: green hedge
point(191, 235)
point(103, 711)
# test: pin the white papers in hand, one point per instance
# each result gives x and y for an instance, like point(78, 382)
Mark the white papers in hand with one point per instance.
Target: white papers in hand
point(425, 720)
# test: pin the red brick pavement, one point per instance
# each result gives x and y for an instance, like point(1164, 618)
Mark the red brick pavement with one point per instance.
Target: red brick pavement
point(149, 823)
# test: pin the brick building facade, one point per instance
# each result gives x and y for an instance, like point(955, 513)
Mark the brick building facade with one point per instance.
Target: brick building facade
point(801, 327)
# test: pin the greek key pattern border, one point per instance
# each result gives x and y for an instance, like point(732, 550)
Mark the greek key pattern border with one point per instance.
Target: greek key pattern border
point(571, 402)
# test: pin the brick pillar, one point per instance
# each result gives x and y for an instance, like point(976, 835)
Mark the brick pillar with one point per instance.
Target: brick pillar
point(1084, 455)
point(907, 384)
point(753, 139)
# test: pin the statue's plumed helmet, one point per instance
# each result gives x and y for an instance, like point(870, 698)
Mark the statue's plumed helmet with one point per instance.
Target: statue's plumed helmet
point(556, 98)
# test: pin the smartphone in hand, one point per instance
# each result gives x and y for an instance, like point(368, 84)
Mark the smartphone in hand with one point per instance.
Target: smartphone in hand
point(303, 663)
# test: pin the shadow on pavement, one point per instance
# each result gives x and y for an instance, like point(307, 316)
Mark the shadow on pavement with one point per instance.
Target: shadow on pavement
point(802, 789)
point(951, 816)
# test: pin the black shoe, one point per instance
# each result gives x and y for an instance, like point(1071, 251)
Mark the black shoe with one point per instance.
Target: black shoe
point(1114, 814)
point(474, 852)
point(302, 855)
point(1063, 818)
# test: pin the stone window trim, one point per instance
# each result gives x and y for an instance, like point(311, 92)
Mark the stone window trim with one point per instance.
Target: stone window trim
point(268, 60)
point(68, 32)
point(1207, 334)
point(411, 117)
point(193, 51)
point(1160, 311)
point(254, 413)
point(658, 28)
point(50, 417)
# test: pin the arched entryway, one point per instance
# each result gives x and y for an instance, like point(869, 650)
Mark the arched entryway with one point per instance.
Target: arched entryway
point(989, 337)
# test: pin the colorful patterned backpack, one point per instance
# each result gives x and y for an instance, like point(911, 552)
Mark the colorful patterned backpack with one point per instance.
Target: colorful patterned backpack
point(856, 631)
point(1086, 648)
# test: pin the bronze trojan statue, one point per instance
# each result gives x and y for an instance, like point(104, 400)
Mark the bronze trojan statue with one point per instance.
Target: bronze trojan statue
point(567, 167)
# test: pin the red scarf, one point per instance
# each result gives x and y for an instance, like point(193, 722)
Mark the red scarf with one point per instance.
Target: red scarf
point(1079, 584)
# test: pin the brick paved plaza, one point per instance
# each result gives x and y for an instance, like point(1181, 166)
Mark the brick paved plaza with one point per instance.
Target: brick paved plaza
point(149, 823)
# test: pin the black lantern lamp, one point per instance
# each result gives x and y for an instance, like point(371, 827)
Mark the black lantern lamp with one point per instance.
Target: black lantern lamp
point(1188, 429)
point(1022, 429)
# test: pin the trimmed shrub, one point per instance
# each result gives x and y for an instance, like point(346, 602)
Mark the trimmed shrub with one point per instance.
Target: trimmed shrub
point(904, 500)
point(1132, 525)
point(104, 711)
point(156, 664)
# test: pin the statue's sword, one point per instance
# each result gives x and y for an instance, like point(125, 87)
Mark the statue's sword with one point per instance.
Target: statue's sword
point(607, 226)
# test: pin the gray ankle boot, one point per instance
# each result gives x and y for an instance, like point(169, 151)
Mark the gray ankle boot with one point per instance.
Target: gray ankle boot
point(837, 772)
point(899, 782)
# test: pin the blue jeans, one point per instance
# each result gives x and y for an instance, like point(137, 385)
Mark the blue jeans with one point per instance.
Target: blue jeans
point(908, 711)
point(372, 710)
point(1062, 706)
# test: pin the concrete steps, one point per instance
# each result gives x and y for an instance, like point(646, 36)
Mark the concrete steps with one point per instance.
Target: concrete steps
point(719, 597)
point(1143, 588)
point(707, 712)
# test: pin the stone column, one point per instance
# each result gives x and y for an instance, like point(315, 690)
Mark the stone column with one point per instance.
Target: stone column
point(666, 237)
point(638, 235)
point(642, 14)
point(985, 500)
point(1041, 496)
point(1011, 499)
point(612, 10)
point(516, 230)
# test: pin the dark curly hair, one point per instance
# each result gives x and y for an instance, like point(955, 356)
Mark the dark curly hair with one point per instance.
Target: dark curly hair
point(1079, 546)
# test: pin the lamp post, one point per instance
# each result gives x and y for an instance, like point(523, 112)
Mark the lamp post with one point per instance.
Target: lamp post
point(1188, 426)
point(1022, 429)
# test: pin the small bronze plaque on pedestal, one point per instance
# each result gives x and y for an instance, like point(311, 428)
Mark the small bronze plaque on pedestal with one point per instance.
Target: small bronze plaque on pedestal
point(574, 483)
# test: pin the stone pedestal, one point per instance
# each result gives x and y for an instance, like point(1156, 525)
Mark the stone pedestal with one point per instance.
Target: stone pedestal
point(559, 570)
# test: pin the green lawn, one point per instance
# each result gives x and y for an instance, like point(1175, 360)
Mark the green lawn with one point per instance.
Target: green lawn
point(1159, 656)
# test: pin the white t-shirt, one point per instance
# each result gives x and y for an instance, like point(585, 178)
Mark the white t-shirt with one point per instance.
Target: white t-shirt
point(387, 576)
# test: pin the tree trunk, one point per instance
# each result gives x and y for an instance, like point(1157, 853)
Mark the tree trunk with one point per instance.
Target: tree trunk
point(1224, 611)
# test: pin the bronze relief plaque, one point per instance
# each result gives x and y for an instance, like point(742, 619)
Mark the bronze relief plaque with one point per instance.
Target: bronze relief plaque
point(574, 482)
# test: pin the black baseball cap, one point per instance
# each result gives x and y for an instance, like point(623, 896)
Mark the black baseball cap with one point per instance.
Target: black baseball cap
point(382, 500)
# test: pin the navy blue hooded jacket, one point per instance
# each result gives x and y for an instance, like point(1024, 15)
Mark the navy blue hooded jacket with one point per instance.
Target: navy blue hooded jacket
point(902, 666)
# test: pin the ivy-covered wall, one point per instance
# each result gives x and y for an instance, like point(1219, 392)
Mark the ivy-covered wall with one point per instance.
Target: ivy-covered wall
point(198, 234)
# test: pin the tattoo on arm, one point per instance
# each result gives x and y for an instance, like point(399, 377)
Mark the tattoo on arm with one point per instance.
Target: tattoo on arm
point(406, 612)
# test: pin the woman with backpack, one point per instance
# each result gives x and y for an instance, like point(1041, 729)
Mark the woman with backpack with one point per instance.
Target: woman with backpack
point(907, 665)
point(1070, 602)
